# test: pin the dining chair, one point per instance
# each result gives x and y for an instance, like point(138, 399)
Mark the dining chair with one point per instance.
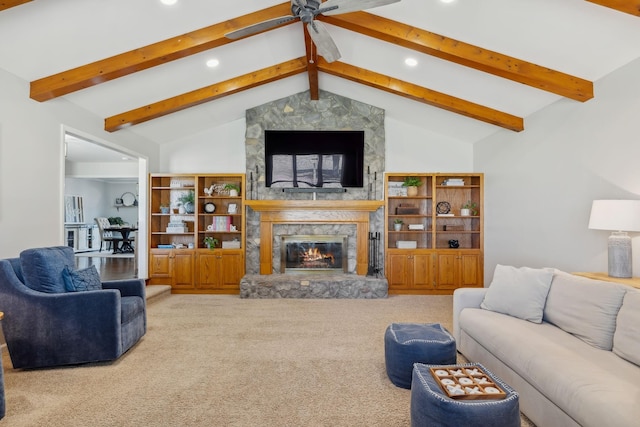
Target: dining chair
point(105, 235)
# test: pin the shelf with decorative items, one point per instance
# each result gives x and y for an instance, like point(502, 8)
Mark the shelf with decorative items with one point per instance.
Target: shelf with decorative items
point(202, 216)
point(439, 244)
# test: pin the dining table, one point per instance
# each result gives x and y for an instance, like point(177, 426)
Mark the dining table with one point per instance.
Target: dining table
point(125, 231)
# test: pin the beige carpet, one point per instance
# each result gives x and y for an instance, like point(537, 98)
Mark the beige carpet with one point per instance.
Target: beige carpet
point(225, 361)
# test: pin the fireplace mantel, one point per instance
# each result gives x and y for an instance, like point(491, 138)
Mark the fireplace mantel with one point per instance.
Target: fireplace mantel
point(314, 205)
point(354, 212)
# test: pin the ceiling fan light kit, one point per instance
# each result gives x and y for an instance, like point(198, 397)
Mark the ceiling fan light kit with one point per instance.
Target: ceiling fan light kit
point(306, 11)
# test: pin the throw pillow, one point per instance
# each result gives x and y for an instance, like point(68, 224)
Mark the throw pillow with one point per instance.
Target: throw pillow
point(586, 308)
point(42, 267)
point(518, 292)
point(87, 279)
point(625, 339)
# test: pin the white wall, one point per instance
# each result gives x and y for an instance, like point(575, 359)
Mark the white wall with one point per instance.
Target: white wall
point(539, 184)
point(31, 166)
point(98, 198)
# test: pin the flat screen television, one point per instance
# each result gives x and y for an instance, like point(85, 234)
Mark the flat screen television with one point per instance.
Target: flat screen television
point(314, 159)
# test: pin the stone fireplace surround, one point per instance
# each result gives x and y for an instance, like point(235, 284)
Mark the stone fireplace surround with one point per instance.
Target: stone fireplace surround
point(272, 212)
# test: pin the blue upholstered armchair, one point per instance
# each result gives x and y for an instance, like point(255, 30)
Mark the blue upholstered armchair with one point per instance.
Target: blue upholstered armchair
point(52, 317)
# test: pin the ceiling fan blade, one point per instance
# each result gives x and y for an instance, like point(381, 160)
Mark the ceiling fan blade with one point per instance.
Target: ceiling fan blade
point(324, 43)
point(259, 27)
point(346, 6)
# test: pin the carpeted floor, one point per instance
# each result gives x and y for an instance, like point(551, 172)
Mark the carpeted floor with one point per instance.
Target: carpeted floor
point(218, 360)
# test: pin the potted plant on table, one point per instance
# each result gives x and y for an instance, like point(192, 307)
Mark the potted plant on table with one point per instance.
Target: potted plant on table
point(469, 208)
point(397, 224)
point(412, 183)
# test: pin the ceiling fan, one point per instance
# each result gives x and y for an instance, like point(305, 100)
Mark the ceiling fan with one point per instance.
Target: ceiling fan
point(306, 11)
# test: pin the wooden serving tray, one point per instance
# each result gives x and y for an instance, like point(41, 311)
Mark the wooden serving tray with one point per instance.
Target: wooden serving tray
point(467, 383)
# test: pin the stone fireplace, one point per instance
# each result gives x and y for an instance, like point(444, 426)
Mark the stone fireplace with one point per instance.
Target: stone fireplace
point(273, 212)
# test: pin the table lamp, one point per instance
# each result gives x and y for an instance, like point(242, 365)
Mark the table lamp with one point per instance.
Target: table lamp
point(618, 216)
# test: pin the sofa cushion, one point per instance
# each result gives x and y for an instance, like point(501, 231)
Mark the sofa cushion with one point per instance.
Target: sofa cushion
point(626, 339)
point(519, 292)
point(42, 267)
point(87, 279)
point(585, 307)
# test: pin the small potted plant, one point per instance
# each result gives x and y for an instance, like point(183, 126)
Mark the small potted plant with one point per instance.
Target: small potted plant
point(412, 183)
point(397, 224)
point(210, 242)
point(469, 208)
point(188, 199)
point(233, 189)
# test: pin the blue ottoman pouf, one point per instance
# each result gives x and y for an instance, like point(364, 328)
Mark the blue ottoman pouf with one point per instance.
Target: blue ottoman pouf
point(409, 343)
point(430, 406)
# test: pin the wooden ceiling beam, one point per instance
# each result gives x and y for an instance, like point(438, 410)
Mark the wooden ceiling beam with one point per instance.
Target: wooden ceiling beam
point(464, 54)
point(6, 4)
point(421, 94)
point(312, 66)
point(206, 94)
point(627, 6)
point(149, 56)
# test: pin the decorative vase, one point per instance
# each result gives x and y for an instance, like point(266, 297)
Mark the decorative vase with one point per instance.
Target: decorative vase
point(465, 212)
point(182, 210)
point(189, 208)
point(164, 209)
point(397, 227)
point(233, 193)
point(412, 191)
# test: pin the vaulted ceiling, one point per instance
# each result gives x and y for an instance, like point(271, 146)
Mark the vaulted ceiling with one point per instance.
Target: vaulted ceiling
point(482, 66)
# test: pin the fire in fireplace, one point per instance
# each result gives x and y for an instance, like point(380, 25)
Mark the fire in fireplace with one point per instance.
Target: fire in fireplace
point(313, 254)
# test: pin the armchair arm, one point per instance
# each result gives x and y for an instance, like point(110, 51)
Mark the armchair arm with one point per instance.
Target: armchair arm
point(127, 287)
point(465, 298)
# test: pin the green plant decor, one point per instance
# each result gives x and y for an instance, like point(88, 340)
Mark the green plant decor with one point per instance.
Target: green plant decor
point(115, 220)
point(398, 221)
point(472, 206)
point(232, 187)
point(412, 181)
point(188, 197)
point(210, 242)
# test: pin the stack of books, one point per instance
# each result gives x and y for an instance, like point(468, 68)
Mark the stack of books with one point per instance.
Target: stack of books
point(221, 223)
point(453, 182)
point(177, 227)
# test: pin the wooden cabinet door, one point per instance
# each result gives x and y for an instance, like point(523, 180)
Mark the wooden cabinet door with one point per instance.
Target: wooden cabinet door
point(447, 271)
point(182, 269)
point(159, 264)
point(209, 270)
point(231, 269)
point(470, 270)
point(422, 271)
point(398, 275)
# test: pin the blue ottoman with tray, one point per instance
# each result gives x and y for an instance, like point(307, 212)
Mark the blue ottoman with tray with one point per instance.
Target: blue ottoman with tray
point(409, 343)
point(461, 395)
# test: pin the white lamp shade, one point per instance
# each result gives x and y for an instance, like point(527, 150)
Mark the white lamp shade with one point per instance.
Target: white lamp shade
point(621, 215)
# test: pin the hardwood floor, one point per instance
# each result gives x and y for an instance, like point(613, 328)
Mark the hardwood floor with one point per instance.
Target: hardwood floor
point(110, 268)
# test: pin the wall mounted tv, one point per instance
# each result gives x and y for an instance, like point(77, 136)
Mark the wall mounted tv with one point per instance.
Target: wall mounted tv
point(314, 159)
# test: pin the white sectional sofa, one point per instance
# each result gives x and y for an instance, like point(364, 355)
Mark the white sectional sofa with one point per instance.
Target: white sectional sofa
point(569, 345)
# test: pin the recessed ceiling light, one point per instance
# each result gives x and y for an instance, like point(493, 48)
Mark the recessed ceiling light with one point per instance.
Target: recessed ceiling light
point(447, 1)
point(212, 63)
point(411, 62)
point(169, 2)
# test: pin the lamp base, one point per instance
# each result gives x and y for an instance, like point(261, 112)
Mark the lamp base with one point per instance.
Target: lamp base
point(620, 261)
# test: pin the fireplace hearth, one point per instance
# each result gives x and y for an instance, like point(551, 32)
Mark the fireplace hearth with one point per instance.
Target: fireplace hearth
point(313, 254)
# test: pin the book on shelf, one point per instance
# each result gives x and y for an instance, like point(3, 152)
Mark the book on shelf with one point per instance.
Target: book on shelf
point(453, 182)
point(446, 214)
